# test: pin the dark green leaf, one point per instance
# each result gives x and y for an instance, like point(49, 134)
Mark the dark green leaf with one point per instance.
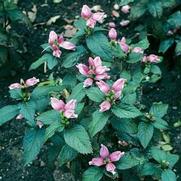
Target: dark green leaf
point(168, 175)
point(159, 109)
point(155, 8)
point(165, 45)
point(93, 174)
point(160, 124)
point(95, 94)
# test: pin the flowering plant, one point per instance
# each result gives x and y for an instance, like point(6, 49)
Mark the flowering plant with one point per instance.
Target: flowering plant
point(96, 103)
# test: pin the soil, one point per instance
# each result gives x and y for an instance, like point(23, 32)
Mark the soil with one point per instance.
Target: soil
point(166, 90)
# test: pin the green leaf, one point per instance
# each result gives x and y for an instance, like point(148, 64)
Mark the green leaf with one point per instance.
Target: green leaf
point(159, 109)
point(149, 169)
point(95, 94)
point(99, 45)
point(78, 92)
point(127, 161)
point(157, 154)
point(7, 113)
point(72, 58)
point(77, 138)
point(69, 80)
point(144, 44)
point(67, 154)
point(165, 45)
point(27, 109)
point(32, 143)
point(129, 98)
point(145, 133)
point(49, 117)
point(160, 124)
point(137, 11)
point(93, 174)
point(168, 175)
point(125, 125)
point(50, 59)
point(135, 57)
point(178, 48)
point(98, 122)
point(80, 24)
point(155, 8)
point(16, 94)
point(56, 126)
point(117, 51)
point(125, 111)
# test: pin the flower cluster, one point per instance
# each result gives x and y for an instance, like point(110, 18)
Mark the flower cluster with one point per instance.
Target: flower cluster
point(57, 41)
point(107, 159)
point(67, 109)
point(94, 71)
point(112, 93)
point(151, 58)
point(24, 84)
point(91, 18)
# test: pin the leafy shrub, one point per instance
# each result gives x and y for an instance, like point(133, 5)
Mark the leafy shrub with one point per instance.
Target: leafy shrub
point(93, 117)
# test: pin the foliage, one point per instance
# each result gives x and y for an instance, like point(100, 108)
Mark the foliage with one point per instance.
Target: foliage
point(96, 102)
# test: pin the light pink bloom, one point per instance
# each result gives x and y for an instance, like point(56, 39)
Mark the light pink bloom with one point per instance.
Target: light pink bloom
point(94, 71)
point(19, 117)
point(91, 23)
point(112, 25)
point(105, 106)
point(104, 87)
point(99, 17)
point(57, 41)
point(15, 86)
point(125, 9)
point(68, 109)
point(124, 22)
point(123, 45)
point(151, 58)
point(112, 34)
point(32, 81)
point(137, 50)
point(86, 12)
point(107, 159)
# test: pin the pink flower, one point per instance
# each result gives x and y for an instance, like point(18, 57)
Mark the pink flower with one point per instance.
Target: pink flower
point(107, 159)
point(94, 71)
point(15, 86)
point(67, 109)
point(57, 41)
point(105, 106)
point(112, 25)
point(91, 18)
point(112, 93)
point(86, 12)
point(112, 34)
point(137, 50)
point(32, 81)
point(125, 9)
point(123, 45)
point(151, 58)
point(124, 22)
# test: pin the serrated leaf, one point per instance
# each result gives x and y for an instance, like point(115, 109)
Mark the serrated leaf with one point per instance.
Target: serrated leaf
point(92, 174)
point(98, 122)
point(67, 154)
point(99, 45)
point(32, 143)
point(7, 113)
point(155, 8)
point(159, 109)
point(16, 94)
point(160, 124)
point(125, 111)
point(135, 57)
point(137, 11)
point(168, 175)
point(77, 138)
point(95, 94)
point(145, 133)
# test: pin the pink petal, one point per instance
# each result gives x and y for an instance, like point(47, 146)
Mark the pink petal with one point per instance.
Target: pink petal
point(57, 104)
point(67, 45)
point(32, 81)
point(105, 106)
point(88, 82)
point(86, 12)
point(57, 53)
point(101, 69)
point(104, 152)
point(137, 50)
point(112, 25)
point(144, 59)
point(70, 114)
point(123, 45)
point(97, 161)
point(153, 58)
point(83, 69)
point(95, 62)
point(115, 156)
point(112, 34)
point(98, 17)
point(125, 9)
point(19, 117)
point(104, 87)
point(102, 76)
point(119, 85)
point(71, 104)
point(60, 39)
point(91, 23)
point(15, 86)
point(110, 167)
point(52, 37)
point(124, 22)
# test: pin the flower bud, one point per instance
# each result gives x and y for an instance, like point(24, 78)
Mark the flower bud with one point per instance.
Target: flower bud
point(112, 34)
